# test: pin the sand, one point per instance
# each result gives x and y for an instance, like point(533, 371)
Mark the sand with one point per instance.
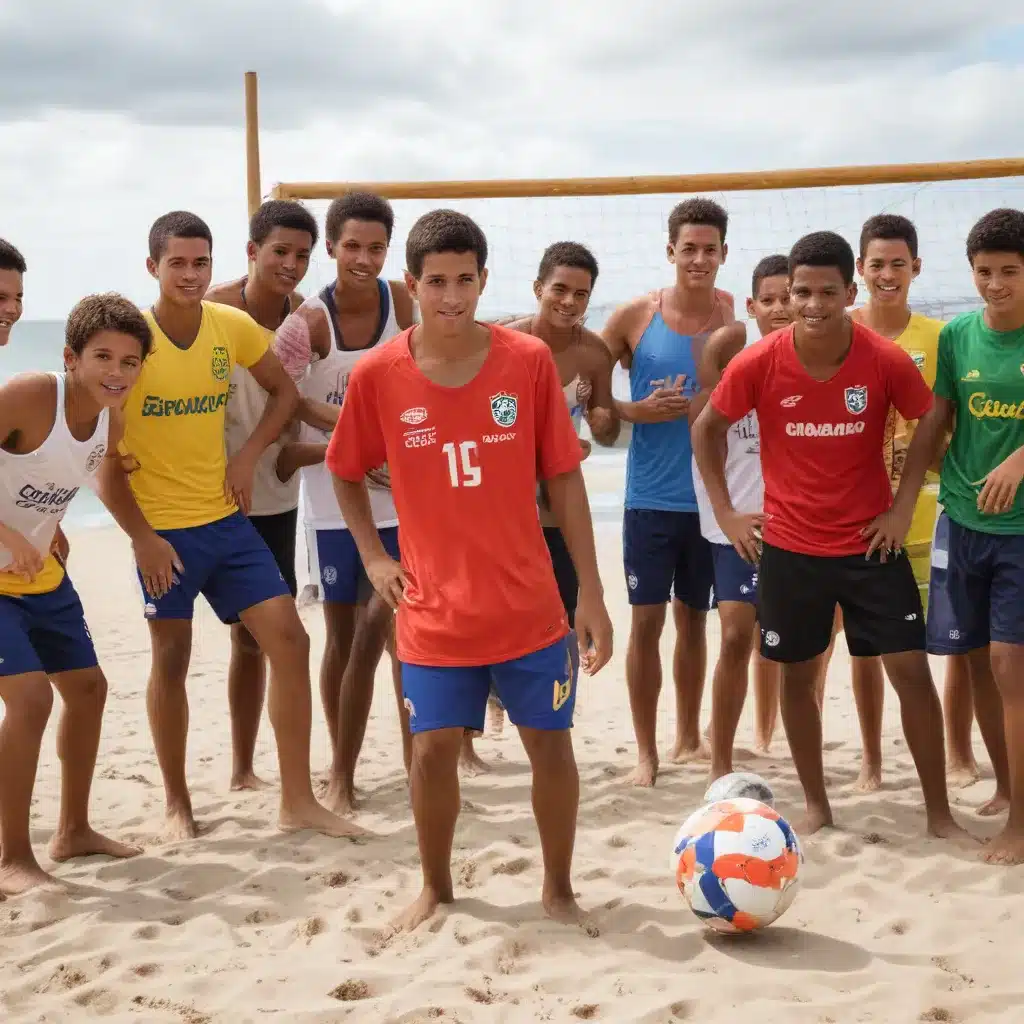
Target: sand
point(246, 925)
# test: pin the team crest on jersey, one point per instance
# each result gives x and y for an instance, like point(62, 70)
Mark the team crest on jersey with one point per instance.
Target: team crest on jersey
point(504, 408)
point(220, 364)
point(95, 458)
point(919, 359)
point(414, 416)
point(856, 400)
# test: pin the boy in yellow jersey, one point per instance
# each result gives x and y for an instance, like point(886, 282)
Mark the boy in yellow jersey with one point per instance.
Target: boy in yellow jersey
point(282, 234)
point(184, 509)
point(55, 429)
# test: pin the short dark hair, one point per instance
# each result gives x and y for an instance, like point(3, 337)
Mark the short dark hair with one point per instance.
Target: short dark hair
point(176, 224)
point(282, 213)
point(444, 231)
point(358, 206)
point(106, 312)
point(823, 249)
point(998, 231)
point(10, 258)
point(697, 211)
point(567, 254)
point(770, 266)
point(888, 227)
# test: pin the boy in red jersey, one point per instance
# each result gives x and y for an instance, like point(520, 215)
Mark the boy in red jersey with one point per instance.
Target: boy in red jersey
point(468, 416)
point(822, 390)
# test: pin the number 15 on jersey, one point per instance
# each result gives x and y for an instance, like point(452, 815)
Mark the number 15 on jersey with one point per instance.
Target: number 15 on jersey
point(463, 463)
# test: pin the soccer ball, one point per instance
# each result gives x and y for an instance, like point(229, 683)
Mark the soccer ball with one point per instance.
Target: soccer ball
point(737, 863)
point(740, 784)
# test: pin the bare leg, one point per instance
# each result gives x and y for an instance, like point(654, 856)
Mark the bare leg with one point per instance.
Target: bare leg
point(84, 693)
point(247, 687)
point(276, 626)
point(824, 660)
point(435, 808)
point(1008, 669)
point(958, 711)
point(643, 679)
point(689, 666)
point(495, 717)
point(869, 696)
point(988, 708)
point(403, 711)
point(766, 698)
point(470, 762)
point(167, 707)
point(921, 715)
point(729, 682)
point(28, 700)
point(556, 799)
point(356, 699)
point(340, 624)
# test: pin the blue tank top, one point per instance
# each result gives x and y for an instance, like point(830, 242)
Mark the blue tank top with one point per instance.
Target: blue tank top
point(659, 469)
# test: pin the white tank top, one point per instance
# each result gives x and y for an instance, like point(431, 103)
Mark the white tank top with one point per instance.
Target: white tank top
point(575, 408)
point(742, 468)
point(36, 488)
point(326, 382)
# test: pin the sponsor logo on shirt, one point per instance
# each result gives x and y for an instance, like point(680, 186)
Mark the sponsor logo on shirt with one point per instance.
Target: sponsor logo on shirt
point(975, 374)
point(197, 405)
point(919, 358)
point(790, 401)
point(504, 408)
point(414, 416)
point(499, 438)
point(220, 363)
point(95, 458)
point(984, 408)
point(422, 437)
point(49, 500)
point(856, 399)
point(824, 429)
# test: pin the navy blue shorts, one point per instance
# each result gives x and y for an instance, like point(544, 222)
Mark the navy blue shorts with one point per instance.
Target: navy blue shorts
point(665, 555)
point(44, 633)
point(980, 597)
point(342, 576)
point(735, 578)
point(227, 562)
point(537, 690)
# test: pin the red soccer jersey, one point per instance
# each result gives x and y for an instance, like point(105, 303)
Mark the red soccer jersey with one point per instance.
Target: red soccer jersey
point(821, 441)
point(464, 466)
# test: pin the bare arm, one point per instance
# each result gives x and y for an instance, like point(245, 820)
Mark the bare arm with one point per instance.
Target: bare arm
point(321, 415)
point(602, 414)
point(405, 307)
point(720, 348)
point(297, 455)
point(616, 337)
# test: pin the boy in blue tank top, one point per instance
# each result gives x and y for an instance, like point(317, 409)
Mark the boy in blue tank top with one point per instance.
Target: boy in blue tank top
point(659, 337)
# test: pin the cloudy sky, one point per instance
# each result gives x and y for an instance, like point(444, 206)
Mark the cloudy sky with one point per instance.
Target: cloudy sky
point(112, 113)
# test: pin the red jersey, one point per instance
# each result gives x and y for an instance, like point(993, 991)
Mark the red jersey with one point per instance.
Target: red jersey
point(822, 456)
point(464, 466)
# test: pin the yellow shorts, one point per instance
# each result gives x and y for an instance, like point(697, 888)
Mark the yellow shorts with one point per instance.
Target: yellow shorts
point(919, 539)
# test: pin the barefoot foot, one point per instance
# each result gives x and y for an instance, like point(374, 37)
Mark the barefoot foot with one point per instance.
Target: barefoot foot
point(495, 719)
point(996, 805)
point(869, 780)
point(945, 827)
point(563, 908)
point(960, 775)
point(470, 763)
point(16, 879)
point(763, 745)
point(644, 775)
point(249, 781)
point(88, 843)
point(423, 909)
point(684, 753)
point(339, 797)
point(180, 825)
point(312, 817)
point(814, 820)
point(1006, 848)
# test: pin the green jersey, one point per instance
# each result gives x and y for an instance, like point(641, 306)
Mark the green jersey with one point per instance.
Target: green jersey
point(981, 371)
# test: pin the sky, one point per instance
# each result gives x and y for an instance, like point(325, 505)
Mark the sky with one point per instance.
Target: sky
point(113, 113)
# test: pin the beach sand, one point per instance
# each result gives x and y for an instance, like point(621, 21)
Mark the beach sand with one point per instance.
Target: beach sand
point(247, 925)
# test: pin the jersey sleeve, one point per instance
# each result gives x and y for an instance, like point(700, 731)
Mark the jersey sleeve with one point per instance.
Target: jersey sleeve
point(558, 447)
point(945, 367)
point(357, 443)
point(908, 391)
point(739, 388)
point(251, 342)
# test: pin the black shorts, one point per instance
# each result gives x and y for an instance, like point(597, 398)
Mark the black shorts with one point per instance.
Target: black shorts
point(798, 594)
point(565, 572)
point(279, 532)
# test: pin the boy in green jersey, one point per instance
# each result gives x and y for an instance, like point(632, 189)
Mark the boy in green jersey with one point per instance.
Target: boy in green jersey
point(979, 395)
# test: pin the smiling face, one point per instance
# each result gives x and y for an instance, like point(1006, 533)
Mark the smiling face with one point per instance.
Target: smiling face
point(107, 366)
point(563, 296)
point(448, 291)
point(360, 252)
point(770, 307)
point(888, 270)
point(697, 253)
point(282, 259)
point(184, 270)
point(11, 294)
point(818, 298)
point(999, 278)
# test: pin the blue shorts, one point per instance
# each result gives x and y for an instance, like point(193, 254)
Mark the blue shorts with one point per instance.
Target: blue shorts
point(979, 597)
point(227, 562)
point(735, 578)
point(44, 633)
point(665, 555)
point(537, 690)
point(341, 569)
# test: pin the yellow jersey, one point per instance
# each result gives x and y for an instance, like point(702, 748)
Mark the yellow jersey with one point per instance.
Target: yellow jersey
point(174, 418)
